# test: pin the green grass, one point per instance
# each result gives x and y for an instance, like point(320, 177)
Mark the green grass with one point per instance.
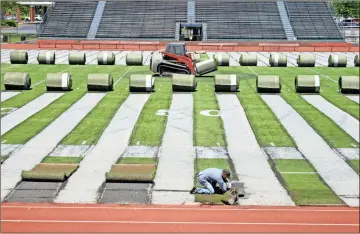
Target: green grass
point(329, 89)
point(92, 126)
point(36, 123)
point(203, 57)
point(149, 128)
point(202, 164)
point(304, 189)
point(355, 163)
point(133, 160)
point(208, 130)
point(37, 73)
point(324, 126)
point(62, 160)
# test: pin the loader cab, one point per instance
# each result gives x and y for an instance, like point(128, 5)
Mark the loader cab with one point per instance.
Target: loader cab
point(176, 48)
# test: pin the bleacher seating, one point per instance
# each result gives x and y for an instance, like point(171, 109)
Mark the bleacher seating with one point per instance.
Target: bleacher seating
point(69, 19)
point(142, 19)
point(231, 19)
point(312, 21)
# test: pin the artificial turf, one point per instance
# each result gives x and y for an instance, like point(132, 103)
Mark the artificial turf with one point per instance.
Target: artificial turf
point(208, 130)
point(304, 189)
point(355, 163)
point(62, 159)
point(137, 160)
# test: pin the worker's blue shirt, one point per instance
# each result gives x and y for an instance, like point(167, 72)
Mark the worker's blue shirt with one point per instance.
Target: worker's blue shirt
point(213, 175)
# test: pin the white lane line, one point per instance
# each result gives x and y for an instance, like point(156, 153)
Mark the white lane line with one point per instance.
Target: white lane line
point(180, 207)
point(123, 75)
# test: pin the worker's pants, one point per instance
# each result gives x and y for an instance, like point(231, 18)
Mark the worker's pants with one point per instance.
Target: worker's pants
point(208, 187)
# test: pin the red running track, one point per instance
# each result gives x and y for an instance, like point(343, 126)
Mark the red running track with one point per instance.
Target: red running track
point(17, 217)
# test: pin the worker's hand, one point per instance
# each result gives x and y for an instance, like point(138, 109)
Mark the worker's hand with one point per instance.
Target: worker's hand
point(228, 185)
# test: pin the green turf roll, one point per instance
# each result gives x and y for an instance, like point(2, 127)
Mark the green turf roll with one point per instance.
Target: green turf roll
point(42, 176)
point(226, 83)
point(46, 57)
point(141, 83)
point(100, 82)
point(77, 58)
point(349, 84)
point(197, 58)
point(337, 61)
point(206, 66)
point(307, 84)
point(183, 82)
point(357, 61)
point(155, 60)
point(58, 82)
point(50, 172)
point(131, 173)
point(277, 60)
point(19, 57)
point(306, 60)
point(17, 81)
point(106, 58)
point(134, 58)
point(268, 84)
point(223, 59)
point(248, 60)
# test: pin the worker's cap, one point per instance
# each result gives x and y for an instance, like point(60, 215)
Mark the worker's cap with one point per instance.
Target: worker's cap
point(227, 173)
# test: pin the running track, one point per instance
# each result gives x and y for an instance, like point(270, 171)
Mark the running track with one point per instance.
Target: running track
point(132, 218)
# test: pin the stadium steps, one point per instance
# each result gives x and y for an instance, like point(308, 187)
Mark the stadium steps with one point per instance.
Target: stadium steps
point(96, 20)
point(191, 11)
point(312, 21)
point(289, 32)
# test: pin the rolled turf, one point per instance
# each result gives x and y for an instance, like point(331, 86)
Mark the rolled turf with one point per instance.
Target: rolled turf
point(132, 173)
point(50, 172)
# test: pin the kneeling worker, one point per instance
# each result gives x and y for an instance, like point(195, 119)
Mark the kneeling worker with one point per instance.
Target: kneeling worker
point(208, 178)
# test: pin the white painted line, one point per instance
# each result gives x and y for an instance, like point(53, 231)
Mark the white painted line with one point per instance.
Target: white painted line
point(177, 154)
point(7, 95)
point(42, 144)
point(180, 207)
point(336, 173)
point(250, 162)
point(328, 77)
point(110, 146)
point(171, 222)
point(14, 118)
point(123, 75)
point(345, 121)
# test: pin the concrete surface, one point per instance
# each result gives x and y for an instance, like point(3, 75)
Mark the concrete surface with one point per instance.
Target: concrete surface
point(5, 95)
point(71, 150)
point(338, 175)
point(211, 152)
point(42, 144)
point(141, 151)
point(283, 153)
point(349, 153)
point(16, 117)
point(345, 121)
point(251, 165)
point(177, 154)
point(355, 98)
point(172, 197)
point(109, 148)
point(7, 149)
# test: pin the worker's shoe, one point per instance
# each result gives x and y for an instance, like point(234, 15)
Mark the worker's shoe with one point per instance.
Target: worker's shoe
point(192, 191)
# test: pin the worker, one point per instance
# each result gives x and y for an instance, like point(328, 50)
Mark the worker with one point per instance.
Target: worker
point(208, 178)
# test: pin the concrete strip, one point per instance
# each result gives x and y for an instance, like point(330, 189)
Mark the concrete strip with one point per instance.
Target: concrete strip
point(14, 118)
point(355, 98)
point(321, 60)
point(349, 153)
point(146, 57)
point(177, 154)
point(291, 61)
point(249, 160)
point(172, 197)
point(71, 150)
point(62, 57)
point(32, 56)
point(91, 57)
point(5, 56)
point(283, 153)
point(122, 60)
point(42, 144)
point(141, 151)
point(234, 59)
point(341, 178)
point(262, 61)
point(84, 184)
point(211, 152)
point(7, 149)
point(7, 95)
point(345, 121)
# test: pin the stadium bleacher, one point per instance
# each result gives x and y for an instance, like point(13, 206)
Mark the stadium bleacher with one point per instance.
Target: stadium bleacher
point(142, 19)
point(69, 19)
